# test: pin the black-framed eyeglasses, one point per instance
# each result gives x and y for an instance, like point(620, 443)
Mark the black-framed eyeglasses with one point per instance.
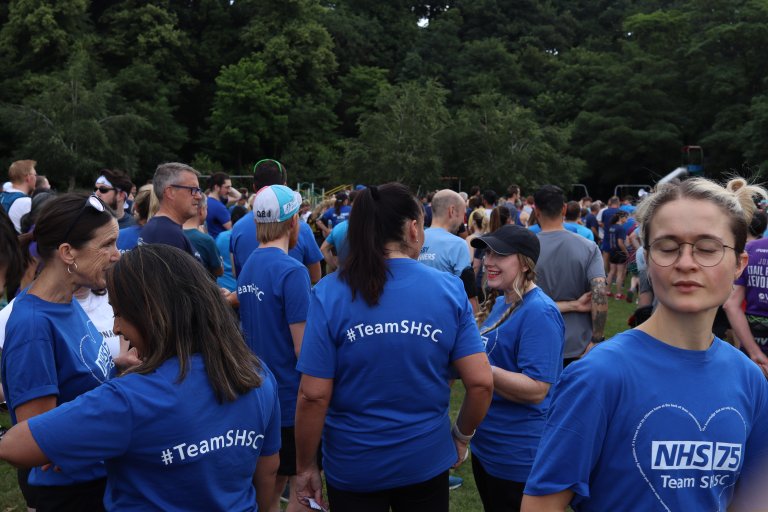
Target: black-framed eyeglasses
point(103, 190)
point(279, 166)
point(91, 201)
point(707, 252)
point(192, 190)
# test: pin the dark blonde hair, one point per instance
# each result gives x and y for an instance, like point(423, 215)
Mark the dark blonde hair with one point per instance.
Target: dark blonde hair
point(179, 311)
point(736, 200)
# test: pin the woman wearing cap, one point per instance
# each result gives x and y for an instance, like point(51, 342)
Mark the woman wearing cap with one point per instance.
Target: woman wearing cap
point(377, 358)
point(52, 352)
point(524, 336)
point(195, 426)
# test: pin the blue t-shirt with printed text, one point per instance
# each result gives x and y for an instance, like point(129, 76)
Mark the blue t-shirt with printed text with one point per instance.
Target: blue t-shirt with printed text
point(167, 445)
point(53, 349)
point(330, 218)
point(244, 242)
point(128, 238)
point(444, 251)
point(613, 234)
point(273, 290)
point(217, 216)
point(387, 423)
point(530, 341)
point(640, 422)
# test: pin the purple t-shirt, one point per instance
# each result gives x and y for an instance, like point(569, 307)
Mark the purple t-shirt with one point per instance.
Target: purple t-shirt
point(755, 278)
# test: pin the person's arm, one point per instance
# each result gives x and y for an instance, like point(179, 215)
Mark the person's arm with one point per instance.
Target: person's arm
point(311, 407)
point(518, 387)
point(233, 196)
point(581, 305)
point(35, 407)
point(19, 448)
point(557, 502)
point(315, 272)
point(325, 230)
point(740, 326)
point(599, 311)
point(475, 372)
point(264, 480)
point(330, 259)
point(622, 246)
point(297, 334)
point(227, 225)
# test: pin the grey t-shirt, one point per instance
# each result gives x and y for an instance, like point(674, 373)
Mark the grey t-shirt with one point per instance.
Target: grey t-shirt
point(567, 263)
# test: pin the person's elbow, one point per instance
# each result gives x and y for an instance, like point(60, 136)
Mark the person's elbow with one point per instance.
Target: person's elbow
point(538, 393)
point(480, 384)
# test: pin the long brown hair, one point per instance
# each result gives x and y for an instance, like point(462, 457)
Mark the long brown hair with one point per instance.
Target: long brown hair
point(179, 311)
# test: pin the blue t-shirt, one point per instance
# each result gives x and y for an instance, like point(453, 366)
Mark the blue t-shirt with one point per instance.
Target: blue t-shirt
point(644, 425)
point(530, 342)
point(577, 228)
point(338, 239)
point(217, 216)
point(273, 290)
point(167, 445)
point(244, 242)
point(387, 423)
point(330, 218)
point(444, 251)
point(128, 238)
point(162, 230)
point(206, 248)
point(53, 350)
point(590, 221)
point(226, 280)
point(613, 234)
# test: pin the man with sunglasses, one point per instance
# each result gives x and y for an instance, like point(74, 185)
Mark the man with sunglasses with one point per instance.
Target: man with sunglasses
point(113, 187)
point(178, 190)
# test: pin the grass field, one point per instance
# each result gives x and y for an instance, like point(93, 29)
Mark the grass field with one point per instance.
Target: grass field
point(463, 499)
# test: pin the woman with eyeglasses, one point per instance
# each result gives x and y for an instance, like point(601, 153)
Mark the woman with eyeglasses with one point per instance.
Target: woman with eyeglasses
point(524, 335)
point(376, 361)
point(665, 416)
point(194, 426)
point(52, 352)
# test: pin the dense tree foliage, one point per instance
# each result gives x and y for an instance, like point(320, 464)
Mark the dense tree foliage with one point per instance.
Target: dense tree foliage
point(466, 92)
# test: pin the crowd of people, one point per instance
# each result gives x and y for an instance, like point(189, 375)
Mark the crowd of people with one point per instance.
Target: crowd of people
point(178, 348)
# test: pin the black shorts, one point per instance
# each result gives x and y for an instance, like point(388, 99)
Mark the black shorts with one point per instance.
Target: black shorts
point(617, 258)
point(288, 453)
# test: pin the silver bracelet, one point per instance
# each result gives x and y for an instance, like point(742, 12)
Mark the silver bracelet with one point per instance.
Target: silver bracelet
point(461, 437)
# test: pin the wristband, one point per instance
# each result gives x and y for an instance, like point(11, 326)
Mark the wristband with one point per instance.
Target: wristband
point(461, 437)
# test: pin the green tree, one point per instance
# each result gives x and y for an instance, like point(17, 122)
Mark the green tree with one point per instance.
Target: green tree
point(402, 141)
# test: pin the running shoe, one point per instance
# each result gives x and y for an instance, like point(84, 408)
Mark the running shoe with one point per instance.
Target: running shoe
point(454, 482)
point(620, 296)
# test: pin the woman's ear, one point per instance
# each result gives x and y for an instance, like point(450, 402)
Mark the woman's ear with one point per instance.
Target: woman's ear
point(741, 263)
point(66, 253)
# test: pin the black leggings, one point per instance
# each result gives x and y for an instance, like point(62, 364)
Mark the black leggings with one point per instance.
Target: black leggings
point(427, 496)
point(85, 497)
point(497, 494)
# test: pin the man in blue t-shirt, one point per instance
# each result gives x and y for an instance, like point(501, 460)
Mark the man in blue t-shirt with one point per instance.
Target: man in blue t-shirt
point(178, 190)
point(218, 218)
point(605, 223)
point(244, 240)
point(273, 289)
point(572, 211)
point(113, 187)
point(203, 244)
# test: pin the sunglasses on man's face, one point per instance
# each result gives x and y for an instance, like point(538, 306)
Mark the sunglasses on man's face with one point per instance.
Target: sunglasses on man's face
point(103, 190)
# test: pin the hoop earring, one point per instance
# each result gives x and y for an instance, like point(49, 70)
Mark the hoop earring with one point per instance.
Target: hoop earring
point(69, 270)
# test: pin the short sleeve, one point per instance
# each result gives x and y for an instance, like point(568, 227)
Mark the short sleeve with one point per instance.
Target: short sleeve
point(595, 267)
point(310, 251)
point(296, 288)
point(540, 352)
point(29, 368)
point(318, 349)
point(93, 427)
point(272, 439)
point(573, 437)
point(468, 339)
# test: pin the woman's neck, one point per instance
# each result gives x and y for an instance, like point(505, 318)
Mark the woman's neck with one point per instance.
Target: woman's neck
point(510, 296)
point(687, 331)
point(51, 286)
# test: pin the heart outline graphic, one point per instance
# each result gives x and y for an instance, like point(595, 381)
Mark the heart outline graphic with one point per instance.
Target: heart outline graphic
point(698, 425)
